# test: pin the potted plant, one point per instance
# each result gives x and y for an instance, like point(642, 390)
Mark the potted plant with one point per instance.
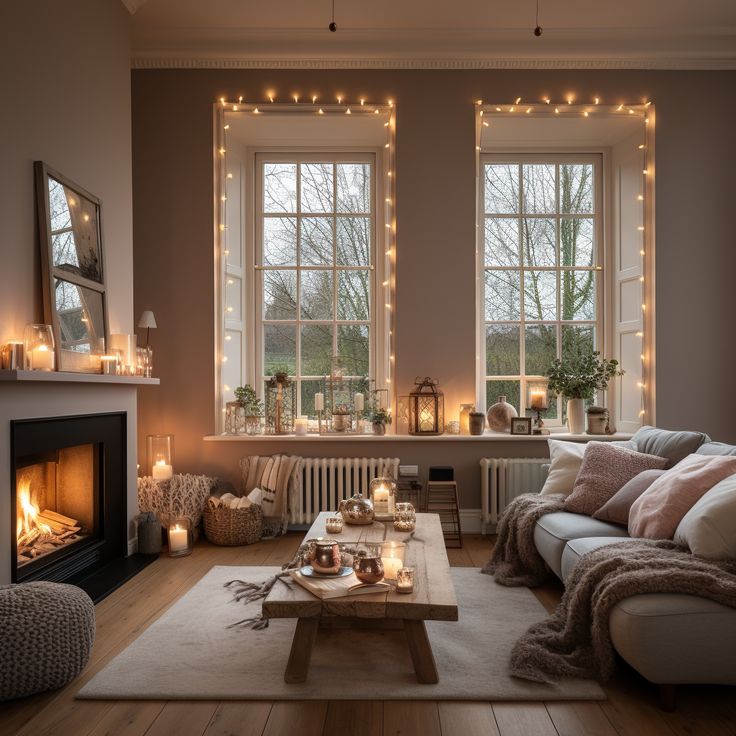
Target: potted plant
point(577, 378)
point(251, 406)
point(380, 418)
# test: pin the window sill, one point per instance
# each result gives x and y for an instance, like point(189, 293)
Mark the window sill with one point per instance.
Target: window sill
point(487, 437)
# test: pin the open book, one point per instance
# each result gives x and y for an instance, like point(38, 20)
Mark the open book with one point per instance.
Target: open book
point(325, 588)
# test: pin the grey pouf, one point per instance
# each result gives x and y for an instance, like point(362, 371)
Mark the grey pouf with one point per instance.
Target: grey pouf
point(46, 635)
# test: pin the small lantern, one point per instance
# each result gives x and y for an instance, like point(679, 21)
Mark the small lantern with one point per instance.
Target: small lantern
point(38, 343)
point(180, 536)
point(426, 408)
point(280, 404)
point(160, 456)
point(392, 556)
point(383, 491)
point(340, 396)
point(538, 401)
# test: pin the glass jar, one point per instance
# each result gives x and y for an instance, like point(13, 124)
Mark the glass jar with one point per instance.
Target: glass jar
point(405, 517)
point(38, 341)
point(392, 557)
point(160, 456)
point(180, 536)
point(383, 492)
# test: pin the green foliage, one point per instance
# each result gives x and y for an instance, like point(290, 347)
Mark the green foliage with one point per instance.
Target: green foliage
point(580, 376)
point(246, 396)
point(380, 415)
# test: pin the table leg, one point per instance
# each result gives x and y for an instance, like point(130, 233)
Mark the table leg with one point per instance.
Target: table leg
point(301, 650)
point(421, 651)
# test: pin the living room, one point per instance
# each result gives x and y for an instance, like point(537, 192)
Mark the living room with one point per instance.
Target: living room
point(423, 145)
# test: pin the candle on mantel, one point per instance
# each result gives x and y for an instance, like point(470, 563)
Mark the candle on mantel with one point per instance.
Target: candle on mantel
point(359, 402)
point(42, 358)
point(392, 557)
point(178, 538)
point(162, 470)
point(319, 402)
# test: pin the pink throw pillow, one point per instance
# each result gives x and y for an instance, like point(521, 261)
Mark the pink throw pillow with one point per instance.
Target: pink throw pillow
point(658, 511)
point(605, 469)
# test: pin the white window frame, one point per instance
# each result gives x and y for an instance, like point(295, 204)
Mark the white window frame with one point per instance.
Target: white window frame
point(598, 159)
point(253, 282)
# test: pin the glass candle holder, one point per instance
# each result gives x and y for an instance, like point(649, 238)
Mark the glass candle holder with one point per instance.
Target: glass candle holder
point(109, 365)
point(383, 494)
point(333, 525)
point(180, 536)
point(392, 556)
point(160, 456)
point(38, 341)
point(126, 344)
point(405, 580)
point(405, 517)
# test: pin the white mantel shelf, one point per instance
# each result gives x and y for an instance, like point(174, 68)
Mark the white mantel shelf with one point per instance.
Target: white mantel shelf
point(487, 437)
point(67, 377)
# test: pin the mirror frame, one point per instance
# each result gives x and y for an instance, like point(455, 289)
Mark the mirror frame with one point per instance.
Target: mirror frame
point(66, 360)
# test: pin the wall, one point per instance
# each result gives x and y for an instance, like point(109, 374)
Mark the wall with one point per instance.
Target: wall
point(65, 88)
point(173, 197)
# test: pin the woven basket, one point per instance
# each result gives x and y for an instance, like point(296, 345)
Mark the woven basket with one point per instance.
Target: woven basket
point(233, 527)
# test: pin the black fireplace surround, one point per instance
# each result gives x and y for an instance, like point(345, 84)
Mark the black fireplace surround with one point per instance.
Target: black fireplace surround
point(99, 562)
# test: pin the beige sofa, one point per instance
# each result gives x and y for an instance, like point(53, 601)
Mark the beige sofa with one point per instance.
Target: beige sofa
point(670, 639)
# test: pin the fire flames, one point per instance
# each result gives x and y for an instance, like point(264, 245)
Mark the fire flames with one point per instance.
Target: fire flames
point(28, 522)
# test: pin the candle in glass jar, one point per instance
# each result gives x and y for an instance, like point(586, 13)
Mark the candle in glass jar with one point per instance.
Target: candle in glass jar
point(538, 399)
point(162, 470)
point(42, 358)
point(405, 580)
point(392, 557)
point(380, 501)
point(319, 402)
point(178, 538)
point(359, 402)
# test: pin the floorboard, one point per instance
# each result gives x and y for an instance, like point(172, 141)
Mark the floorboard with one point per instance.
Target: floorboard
point(632, 708)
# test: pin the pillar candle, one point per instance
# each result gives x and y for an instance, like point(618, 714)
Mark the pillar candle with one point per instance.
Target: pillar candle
point(162, 470)
point(319, 402)
point(359, 402)
point(42, 358)
point(178, 538)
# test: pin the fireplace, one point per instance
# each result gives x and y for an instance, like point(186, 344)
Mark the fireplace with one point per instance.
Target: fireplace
point(68, 490)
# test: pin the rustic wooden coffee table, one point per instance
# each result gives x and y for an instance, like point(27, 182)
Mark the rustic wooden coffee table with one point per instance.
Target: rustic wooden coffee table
point(433, 598)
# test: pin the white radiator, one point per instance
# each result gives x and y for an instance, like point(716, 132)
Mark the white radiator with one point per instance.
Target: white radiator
point(326, 481)
point(502, 479)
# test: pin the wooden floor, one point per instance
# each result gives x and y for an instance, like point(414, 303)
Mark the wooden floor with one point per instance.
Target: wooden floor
point(631, 708)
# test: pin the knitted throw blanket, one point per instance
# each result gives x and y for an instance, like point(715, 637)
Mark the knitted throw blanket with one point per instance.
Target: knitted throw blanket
point(515, 561)
point(575, 641)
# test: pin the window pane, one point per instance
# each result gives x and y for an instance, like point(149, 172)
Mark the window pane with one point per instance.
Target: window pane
point(353, 187)
point(316, 350)
point(308, 390)
point(353, 295)
point(540, 346)
point(502, 189)
point(279, 294)
point(576, 242)
point(279, 349)
point(502, 350)
point(502, 296)
point(316, 182)
point(316, 241)
point(279, 241)
point(578, 295)
point(538, 242)
point(316, 291)
point(576, 188)
point(540, 295)
point(353, 346)
point(353, 241)
point(279, 187)
point(539, 187)
point(496, 389)
point(577, 340)
point(502, 241)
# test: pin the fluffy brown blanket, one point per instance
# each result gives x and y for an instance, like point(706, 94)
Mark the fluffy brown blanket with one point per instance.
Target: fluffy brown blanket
point(575, 640)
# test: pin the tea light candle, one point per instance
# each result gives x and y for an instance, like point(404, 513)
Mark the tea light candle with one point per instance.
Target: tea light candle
point(319, 402)
point(333, 525)
point(162, 470)
point(405, 580)
point(178, 538)
point(301, 425)
point(392, 556)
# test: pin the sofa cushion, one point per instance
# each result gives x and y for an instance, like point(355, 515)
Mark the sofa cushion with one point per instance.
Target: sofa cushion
point(658, 511)
point(616, 509)
point(675, 446)
point(716, 448)
point(565, 460)
point(709, 528)
point(553, 531)
point(676, 638)
point(576, 548)
point(604, 471)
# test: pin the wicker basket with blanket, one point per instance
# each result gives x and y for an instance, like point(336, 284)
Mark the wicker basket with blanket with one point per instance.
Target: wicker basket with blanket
point(232, 527)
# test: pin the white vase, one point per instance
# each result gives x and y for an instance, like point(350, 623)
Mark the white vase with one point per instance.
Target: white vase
point(576, 416)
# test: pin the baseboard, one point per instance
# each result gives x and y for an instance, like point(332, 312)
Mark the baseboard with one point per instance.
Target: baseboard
point(132, 546)
point(470, 521)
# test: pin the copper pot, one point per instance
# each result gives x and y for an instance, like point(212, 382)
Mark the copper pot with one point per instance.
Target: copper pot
point(324, 556)
point(368, 567)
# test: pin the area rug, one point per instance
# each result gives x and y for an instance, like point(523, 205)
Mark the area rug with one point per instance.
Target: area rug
point(189, 654)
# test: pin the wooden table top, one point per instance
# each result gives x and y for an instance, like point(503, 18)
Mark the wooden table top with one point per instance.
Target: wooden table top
point(433, 597)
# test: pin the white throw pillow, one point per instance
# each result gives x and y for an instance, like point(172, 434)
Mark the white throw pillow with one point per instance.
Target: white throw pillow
point(565, 461)
point(709, 527)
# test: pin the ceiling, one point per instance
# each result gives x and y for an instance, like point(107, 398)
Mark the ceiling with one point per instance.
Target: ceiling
point(645, 34)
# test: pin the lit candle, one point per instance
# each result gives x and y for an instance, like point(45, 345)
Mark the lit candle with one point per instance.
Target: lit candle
point(301, 425)
point(359, 402)
point(380, 501)
point(42, 358)
point(392, 557)
point(405, 580)
point(109, 364)
point(178, 538)
point(319, 402)
point(539, 399)
point(162, 470)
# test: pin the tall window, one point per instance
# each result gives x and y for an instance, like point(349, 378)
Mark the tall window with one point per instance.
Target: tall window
point(541, 266)
point(315, 254)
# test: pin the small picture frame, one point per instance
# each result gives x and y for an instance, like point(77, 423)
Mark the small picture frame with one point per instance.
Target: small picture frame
point(521, 425)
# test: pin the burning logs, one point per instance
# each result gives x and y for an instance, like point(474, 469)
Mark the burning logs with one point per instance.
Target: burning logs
point(46, 532)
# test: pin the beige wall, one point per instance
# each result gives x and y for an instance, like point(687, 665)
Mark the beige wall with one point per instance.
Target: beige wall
point(65, 90)
point(696, 257)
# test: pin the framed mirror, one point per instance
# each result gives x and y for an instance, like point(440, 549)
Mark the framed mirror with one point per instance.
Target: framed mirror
point(73, 270)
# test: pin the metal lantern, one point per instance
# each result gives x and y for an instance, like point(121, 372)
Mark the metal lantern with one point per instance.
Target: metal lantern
point(383, 492)
point(426, 408)
point(280, 404)
point(339, 393)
